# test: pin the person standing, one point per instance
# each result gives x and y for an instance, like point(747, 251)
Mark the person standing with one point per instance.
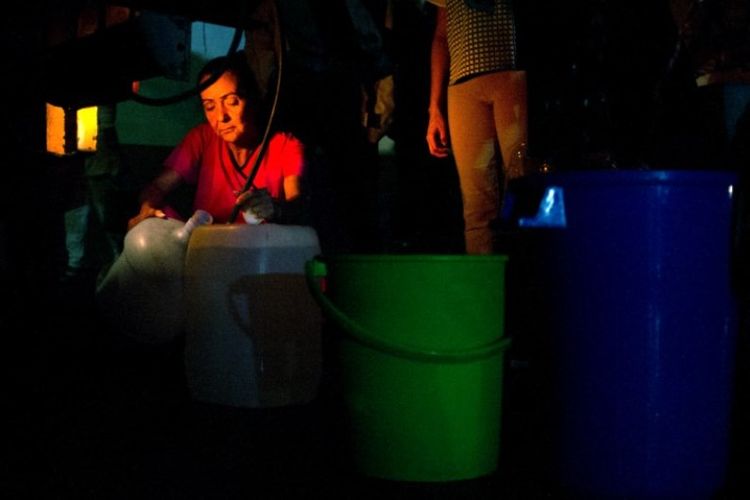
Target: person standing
point(478, 108)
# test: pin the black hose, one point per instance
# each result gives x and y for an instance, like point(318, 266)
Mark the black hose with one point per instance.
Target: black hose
point(279, 46)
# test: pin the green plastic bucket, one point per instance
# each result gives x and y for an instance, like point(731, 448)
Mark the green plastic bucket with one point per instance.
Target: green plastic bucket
point(421, 360)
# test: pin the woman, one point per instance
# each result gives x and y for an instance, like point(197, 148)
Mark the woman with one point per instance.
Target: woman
point(218, 156)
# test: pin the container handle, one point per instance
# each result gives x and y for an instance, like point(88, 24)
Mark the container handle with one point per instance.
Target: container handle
point(315, 270)
point(551, 211)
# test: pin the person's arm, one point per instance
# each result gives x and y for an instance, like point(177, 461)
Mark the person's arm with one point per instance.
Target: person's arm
point(292, 187)
point(153, 195)
point(290, 210)
point(437, 130)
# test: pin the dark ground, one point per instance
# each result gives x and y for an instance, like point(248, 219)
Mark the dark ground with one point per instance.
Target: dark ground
point(93, 415)
point(89, 414)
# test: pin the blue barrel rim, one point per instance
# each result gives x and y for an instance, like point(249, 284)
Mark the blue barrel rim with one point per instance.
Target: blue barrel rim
point(636, 177)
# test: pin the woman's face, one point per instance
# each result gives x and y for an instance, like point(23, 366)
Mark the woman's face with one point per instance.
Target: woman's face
point(225, 108)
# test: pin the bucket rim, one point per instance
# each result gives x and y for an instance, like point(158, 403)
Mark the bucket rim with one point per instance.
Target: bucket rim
point(420, 257)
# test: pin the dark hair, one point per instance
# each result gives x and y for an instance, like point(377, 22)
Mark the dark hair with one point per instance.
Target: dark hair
point(237, 65)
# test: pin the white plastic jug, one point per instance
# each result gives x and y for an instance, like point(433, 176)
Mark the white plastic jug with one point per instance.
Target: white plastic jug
point(142, 293)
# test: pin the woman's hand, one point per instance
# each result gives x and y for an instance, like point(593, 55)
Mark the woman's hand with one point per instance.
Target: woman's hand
point(152, 196)
point(147, 211)
point(256, 205)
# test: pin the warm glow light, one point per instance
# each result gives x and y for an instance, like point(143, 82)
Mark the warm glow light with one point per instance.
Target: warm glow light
point(55, 130)
point(86, 130)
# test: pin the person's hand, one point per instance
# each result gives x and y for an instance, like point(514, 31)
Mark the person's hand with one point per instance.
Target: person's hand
point(146, 212)
point(437, 135)
point(256, 205)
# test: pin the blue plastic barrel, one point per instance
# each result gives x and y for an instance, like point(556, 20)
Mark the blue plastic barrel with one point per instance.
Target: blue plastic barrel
point(635, 280)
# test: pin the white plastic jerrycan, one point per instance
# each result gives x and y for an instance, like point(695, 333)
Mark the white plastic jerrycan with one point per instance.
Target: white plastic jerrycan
point(252, 327)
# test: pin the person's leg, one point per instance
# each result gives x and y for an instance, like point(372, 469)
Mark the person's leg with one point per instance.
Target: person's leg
point(507, 90)
point(477, 154)
point(508, 93)
point(76, 232)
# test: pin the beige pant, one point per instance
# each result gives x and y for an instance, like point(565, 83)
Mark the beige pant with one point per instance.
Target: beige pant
point(488, 122)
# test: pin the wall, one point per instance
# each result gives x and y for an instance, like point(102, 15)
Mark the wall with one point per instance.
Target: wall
point(146, 125)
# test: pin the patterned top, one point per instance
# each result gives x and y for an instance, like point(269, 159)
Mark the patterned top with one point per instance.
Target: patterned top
point(480, 40)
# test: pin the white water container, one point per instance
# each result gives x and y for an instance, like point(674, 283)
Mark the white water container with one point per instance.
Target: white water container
point(141, 295)
point(252, 327)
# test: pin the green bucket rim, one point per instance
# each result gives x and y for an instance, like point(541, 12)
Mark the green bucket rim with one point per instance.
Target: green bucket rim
point(414, 257)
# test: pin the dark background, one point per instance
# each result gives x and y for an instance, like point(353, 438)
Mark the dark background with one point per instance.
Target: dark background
point(91, 415)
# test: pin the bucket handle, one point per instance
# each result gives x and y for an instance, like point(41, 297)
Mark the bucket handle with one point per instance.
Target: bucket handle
point(315, 269)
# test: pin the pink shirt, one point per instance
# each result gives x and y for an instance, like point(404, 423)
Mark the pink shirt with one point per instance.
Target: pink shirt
point(203, 159)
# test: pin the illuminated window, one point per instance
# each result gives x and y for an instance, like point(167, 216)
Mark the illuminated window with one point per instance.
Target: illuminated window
point(60, 133)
